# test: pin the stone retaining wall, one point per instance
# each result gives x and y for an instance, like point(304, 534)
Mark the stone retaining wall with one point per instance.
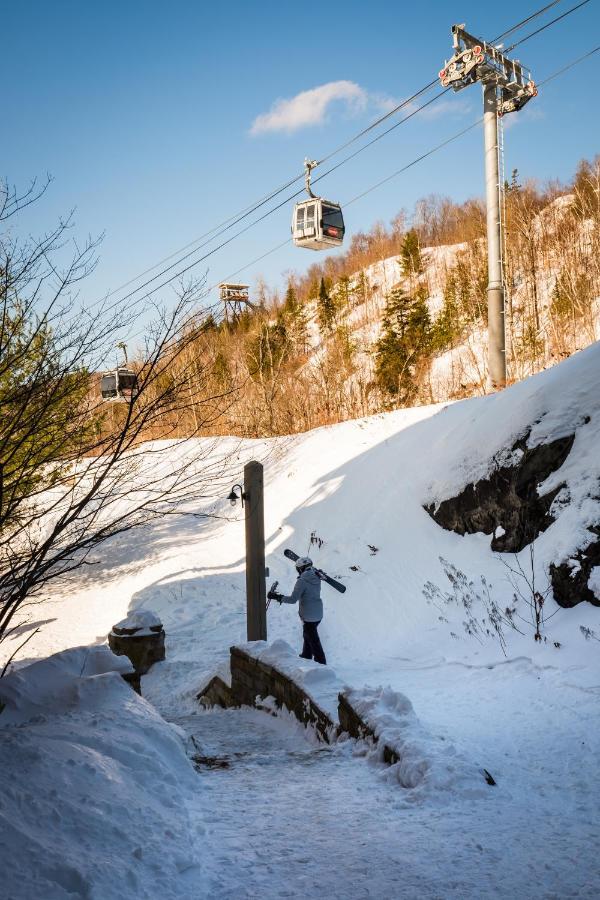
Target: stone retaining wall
point(352, 724)
point(251, 679)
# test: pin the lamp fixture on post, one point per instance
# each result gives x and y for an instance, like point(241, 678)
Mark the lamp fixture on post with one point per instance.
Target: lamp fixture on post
point(251, 495)
point(233, 497)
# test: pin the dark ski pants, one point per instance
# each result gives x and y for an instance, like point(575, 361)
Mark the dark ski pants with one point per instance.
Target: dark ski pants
point(312, 648)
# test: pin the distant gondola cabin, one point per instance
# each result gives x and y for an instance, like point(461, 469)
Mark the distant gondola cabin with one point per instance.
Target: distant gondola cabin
point(119, 385)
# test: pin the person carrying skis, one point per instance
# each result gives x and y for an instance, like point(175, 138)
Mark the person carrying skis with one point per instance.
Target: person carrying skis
point(307, 592)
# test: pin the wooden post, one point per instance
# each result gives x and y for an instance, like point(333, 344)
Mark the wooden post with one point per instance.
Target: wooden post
point(256, 593)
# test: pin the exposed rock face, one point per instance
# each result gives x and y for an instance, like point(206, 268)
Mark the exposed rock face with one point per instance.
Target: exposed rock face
point(507, 504)
point(570, 582)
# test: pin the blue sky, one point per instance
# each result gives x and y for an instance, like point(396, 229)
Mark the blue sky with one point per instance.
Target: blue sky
point(143, 114)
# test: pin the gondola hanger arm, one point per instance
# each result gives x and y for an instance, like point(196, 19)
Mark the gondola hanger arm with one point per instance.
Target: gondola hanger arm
point(123, 346)
point(309, 165)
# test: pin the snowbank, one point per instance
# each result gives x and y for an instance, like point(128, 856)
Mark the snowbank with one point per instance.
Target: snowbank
point(428, 764)
point(96, 801)
point(94, 783)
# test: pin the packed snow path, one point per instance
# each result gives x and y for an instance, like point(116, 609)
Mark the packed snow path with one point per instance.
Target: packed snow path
point(289, 817)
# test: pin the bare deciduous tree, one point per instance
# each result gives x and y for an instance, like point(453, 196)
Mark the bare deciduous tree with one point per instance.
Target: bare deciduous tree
point(75, 470)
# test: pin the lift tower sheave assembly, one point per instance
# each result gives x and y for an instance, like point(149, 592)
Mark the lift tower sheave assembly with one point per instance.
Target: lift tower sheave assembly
point(507, 87)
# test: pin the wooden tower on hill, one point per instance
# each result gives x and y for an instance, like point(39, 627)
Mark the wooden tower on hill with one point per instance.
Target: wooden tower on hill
point(234, 298)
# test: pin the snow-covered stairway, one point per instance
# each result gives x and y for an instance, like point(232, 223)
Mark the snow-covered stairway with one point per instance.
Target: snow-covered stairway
point(283, 814)
point(286, 815)
point(274, 672)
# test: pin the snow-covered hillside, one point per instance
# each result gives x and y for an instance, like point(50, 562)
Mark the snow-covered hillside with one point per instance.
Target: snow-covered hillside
point(530, 716)
point(460, 371)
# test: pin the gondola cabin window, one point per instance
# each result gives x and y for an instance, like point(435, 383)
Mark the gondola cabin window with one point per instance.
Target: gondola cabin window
point(333, 223)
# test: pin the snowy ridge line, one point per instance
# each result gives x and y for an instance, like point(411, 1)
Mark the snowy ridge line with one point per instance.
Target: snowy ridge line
point(382, 718)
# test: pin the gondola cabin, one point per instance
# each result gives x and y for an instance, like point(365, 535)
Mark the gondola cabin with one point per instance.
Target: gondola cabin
point(120, 385)
point(318, 224)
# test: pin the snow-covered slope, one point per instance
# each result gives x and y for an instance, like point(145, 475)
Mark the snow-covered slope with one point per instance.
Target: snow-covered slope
point(461, 370)
point(356, 485)
point(359, 488)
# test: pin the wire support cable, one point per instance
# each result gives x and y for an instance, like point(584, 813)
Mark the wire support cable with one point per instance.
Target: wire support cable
point(415, 161)
point(215, 232)
point(547, 25)
point(232, 221)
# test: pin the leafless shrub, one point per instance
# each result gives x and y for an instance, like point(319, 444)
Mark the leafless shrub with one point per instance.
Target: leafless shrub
point(526, 590)
point(483, 616)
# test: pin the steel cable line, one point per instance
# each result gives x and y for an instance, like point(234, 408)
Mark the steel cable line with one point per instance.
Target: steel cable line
point(547, 25)
point(525, 21)
point(409, 165)
point(363, 194)
point(265, 214)
point(236, 218)
point(249, 210)
point(569, 65)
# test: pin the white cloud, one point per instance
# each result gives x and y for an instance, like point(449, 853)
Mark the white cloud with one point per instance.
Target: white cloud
point(310, 107)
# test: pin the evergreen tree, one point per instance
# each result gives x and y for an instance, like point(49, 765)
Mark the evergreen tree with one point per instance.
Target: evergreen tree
point(326, 310)
point(343, 291)
point(404, 341)
point(410, 254)
point(294, 317)
point(362, 287)
point(514, 186)
point(37, 404)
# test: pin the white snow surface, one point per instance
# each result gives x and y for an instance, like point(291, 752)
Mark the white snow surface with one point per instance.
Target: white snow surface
point(94, 784)
point(429, 764)
point(140, 620)
point(101, 800)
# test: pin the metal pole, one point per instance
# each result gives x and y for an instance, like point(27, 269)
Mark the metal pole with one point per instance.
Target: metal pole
point(496, 334)
point(256, 598)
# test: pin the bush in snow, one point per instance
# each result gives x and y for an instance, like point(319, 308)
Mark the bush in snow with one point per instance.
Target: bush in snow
point(483, 616)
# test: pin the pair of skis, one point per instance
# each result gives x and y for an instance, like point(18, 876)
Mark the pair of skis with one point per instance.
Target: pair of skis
point(322, 575)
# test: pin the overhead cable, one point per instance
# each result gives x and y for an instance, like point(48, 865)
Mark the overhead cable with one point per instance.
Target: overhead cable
point(221, 229)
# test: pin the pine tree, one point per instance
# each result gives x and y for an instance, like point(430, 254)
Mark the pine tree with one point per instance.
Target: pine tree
point(404, 341)
point(410, 254)
point(295, 319)
point(34, 384)
point(362, 287)
point(326, 310)
point(513, 186)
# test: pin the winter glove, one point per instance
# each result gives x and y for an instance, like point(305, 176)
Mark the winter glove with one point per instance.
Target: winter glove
point(274, 595)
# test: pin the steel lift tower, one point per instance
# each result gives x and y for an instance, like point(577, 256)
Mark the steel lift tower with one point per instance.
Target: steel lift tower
point(506, 88)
